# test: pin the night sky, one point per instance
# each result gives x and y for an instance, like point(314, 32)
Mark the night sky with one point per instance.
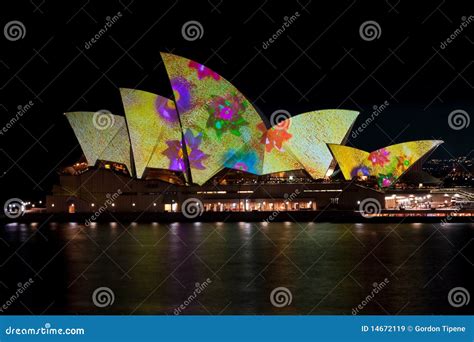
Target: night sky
point(319, 62)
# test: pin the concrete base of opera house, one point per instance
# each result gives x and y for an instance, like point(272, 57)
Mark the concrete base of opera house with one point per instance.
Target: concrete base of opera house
point(103, 190)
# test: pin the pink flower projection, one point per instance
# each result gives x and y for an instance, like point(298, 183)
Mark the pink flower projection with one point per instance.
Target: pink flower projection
point(379, 157)
point(203, 71)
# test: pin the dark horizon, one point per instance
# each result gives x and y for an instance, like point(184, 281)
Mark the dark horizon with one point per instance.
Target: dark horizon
point(319, 62)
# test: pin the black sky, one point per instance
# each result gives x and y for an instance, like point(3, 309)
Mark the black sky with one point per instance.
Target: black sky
point(320, 62)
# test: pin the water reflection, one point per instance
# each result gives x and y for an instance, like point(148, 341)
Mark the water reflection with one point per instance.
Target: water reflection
point(153, 268)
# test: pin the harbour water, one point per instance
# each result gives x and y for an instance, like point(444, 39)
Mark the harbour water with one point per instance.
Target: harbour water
point(155, 268)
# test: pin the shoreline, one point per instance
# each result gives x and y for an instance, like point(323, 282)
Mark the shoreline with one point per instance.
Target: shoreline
point(331, 216)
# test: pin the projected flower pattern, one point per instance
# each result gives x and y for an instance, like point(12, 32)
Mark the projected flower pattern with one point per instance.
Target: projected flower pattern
point(229, 124)
point(225, 114)
point(203, 71)
point(360, 171)
point(182, 95)
point(404, 162)
point(175, 152)
point(274, 137)
point(385, 164)
point(379, 157)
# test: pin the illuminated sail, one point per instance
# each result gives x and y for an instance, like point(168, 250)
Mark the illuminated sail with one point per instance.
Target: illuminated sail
point(102, 136)
point(386, 164)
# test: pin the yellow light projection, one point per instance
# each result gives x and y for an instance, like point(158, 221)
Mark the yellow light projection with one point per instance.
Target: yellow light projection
point(386, 164)
point(221, 128)
point(154, 131)
point(304, 138)
point(118, 149)
point(217, 119)
point(102, 136)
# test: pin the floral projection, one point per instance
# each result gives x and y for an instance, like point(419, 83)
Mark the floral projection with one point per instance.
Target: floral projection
point(275, 136)
point(385, 165)
point(175, 152)
point(203, 71)
point(379, 157)
point(225, 114)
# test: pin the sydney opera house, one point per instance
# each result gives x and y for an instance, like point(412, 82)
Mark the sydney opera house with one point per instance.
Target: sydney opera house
point(208, 142)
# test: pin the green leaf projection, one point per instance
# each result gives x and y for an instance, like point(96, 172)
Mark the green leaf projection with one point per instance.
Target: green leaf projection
point(210, 125)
